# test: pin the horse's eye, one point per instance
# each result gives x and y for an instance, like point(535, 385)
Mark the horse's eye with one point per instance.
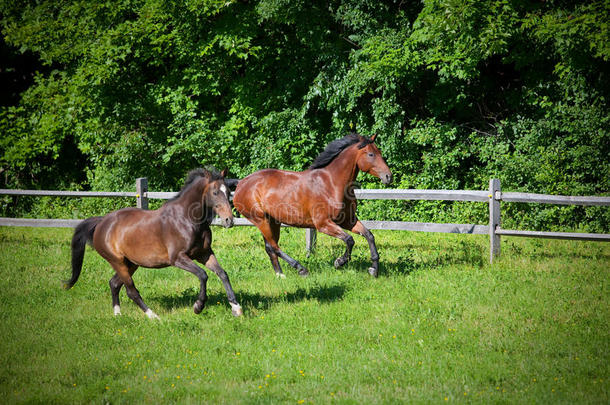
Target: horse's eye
point(215, 193)
point(371, 155)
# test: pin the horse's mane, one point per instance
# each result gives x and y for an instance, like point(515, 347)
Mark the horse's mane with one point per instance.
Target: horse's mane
point(195, 174)
point(337, 146)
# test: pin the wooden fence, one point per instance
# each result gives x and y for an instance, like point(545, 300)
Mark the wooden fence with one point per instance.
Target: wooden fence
point(493, 197)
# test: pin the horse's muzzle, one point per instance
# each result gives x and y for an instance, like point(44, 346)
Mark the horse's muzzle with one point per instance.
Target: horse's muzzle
point(227, 222)
point(386, 178)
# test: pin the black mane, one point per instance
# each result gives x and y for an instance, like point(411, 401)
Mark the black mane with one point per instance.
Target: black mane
point(195, 174)
point(337, 146)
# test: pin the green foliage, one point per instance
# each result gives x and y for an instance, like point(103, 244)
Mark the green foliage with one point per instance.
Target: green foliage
point(458, 91)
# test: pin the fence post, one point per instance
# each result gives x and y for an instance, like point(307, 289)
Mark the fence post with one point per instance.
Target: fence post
point(310, 240)
point(494, 219)
point(141, 190)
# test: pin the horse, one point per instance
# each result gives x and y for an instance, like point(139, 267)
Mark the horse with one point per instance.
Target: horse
point(321, 197)
point(173, 235)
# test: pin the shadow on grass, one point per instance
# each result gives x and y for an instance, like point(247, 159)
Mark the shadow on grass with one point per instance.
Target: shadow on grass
point(415, 258)
point(322, 294)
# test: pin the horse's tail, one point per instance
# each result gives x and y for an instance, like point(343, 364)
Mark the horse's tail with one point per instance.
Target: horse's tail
point(83, 234)
point(231, 183)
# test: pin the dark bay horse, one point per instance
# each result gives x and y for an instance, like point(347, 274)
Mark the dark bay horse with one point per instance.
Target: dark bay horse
point(174, 235)
point(321, 197)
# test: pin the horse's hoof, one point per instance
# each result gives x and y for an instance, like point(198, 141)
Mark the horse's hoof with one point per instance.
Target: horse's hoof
point(303, 272)
point(117, 310)
point(151, 315)
point(373, 271)
point(280, 275)
point(198, 306)
point(236, 310)
point(340, 261)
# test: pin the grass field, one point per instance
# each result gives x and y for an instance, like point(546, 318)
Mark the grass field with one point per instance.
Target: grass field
point(439, 324)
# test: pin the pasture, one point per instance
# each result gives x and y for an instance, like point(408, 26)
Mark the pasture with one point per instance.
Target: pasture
point(439, 324)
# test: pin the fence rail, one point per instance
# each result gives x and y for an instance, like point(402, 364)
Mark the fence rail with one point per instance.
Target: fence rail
point(55, 193)
point(494, 196)
point(431, 195)
point(551, 199)
point(598, 237)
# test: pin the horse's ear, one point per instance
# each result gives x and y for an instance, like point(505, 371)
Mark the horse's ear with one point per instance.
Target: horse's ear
point(373, 137)
point(224, 172)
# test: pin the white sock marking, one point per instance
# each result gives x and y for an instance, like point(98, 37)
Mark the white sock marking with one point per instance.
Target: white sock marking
point(236, 309)
point(117, 310)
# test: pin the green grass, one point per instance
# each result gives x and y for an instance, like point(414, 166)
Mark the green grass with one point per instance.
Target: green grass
point(439, 324)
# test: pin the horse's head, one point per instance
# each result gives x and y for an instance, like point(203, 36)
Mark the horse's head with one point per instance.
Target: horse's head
point(369, 160)
point(216, 196)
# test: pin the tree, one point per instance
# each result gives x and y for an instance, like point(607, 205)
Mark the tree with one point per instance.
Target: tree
point(458, 91)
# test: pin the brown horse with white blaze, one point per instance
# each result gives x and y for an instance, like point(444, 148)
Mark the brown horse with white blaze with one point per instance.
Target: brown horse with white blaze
point(321, 197)
point(174, 235)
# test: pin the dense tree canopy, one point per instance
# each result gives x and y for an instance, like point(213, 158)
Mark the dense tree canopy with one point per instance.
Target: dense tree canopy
point(458, 91)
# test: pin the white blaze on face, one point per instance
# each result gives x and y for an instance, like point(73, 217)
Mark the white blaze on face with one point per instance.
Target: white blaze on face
point(224, 189)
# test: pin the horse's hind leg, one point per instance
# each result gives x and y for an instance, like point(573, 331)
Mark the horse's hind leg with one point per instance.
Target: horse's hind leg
point(124, 273)
point(274, 230)
point(274, 260)
point(300, 268)
point(115, 287)
point(271, 233)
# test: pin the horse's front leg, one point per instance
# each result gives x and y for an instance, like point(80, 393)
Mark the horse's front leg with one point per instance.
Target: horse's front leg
point(186, 263)
point(362, 230)
point(212, 264)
